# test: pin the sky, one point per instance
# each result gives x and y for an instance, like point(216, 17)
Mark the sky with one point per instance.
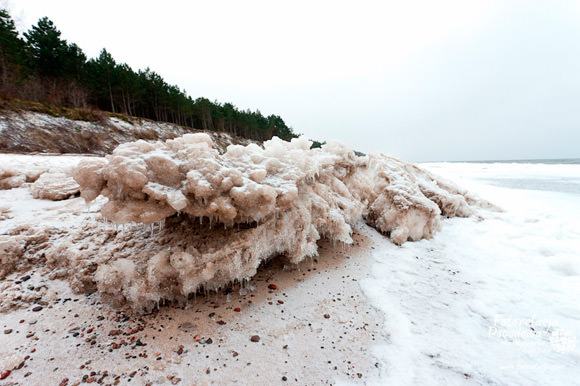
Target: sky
point(421, 80)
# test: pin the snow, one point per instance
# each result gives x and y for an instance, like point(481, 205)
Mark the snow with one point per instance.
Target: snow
point(490, 300)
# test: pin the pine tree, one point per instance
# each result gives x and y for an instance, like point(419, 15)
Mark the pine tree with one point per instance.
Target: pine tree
point(46, 48)
point(12, 54)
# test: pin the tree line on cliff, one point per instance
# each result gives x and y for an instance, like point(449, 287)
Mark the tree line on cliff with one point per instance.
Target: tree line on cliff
point(41, 66)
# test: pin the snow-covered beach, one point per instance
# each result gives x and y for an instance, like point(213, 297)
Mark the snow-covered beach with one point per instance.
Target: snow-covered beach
point(490, 299)
point(493, 299)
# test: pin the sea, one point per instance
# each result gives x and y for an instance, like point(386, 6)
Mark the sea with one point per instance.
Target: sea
point(553, 175)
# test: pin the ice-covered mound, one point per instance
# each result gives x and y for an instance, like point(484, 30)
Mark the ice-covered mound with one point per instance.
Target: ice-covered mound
point(47, 176)
point(223, 214)
point(10, 179)
point(54, 186)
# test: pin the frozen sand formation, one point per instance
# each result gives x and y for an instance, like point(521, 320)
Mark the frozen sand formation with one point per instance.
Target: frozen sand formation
point(213, 218)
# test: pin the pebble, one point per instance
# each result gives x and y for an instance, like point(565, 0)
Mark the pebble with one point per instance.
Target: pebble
point(272, 286)
point(237, 309)
point(326, 316)
point(115, 332)
point(37, 308)
point(24, 278)
point(5, 374)
point(8, 331)
point(255, 338)
point(188, 326)
point(284, 379)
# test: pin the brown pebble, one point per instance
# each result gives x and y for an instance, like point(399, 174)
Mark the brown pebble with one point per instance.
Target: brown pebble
point(235, 354)
point(64, 382)
point(197, 338)
point(5, 374)
point(326, 316)
point(280, 301)
point(237, 309)
point(272, 286)
point(37, 308)
point(8, 331)
point(255, 338)
point(115, 332)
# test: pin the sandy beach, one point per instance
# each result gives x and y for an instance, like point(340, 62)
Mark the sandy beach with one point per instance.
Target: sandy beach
point(313, 323)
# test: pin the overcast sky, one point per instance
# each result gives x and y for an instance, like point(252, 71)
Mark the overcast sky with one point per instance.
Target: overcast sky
point(423, 80)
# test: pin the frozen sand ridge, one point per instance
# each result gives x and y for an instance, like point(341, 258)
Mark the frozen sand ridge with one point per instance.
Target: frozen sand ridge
point(261, 202)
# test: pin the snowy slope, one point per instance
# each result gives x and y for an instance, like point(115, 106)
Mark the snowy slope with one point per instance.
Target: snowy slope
point(27, 131)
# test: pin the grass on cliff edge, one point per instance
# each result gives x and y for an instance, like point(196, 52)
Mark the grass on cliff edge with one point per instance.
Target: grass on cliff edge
point(73, 113)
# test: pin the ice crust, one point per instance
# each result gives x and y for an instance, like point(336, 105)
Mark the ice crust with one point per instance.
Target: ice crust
point(213, 218)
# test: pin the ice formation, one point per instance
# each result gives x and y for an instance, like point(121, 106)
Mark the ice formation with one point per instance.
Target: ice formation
point(5, 212)
point(54, 186)
point(10, 179)
point(47, 177)
point(213, 218)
